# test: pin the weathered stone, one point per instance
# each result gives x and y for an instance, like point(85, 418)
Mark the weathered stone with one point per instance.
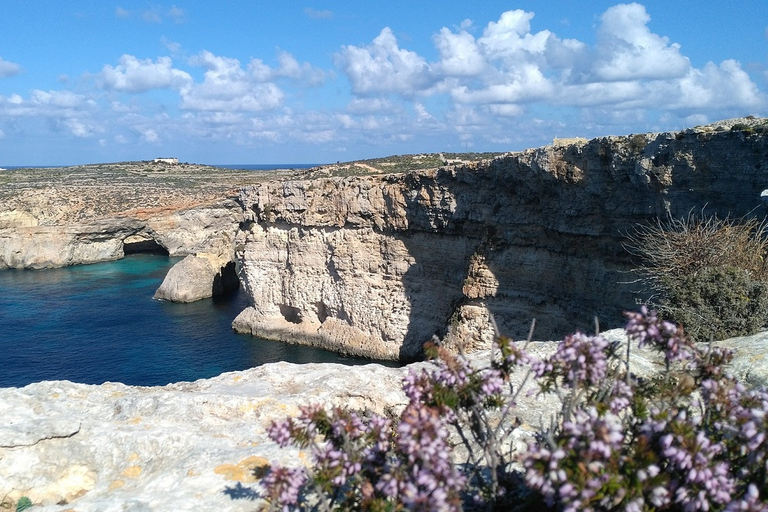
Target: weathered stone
point(189, 280)
point(185, 446)
point(377, 265)
point(198, 277)
point(203, 445)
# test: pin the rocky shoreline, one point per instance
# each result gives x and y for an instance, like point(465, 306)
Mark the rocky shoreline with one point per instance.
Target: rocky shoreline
point(367, 263)
point(372, 265)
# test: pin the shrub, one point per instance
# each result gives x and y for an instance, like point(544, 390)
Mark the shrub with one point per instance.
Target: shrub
point(692, 438)
point(24, 503)
point(709, 274)
point(716, 303)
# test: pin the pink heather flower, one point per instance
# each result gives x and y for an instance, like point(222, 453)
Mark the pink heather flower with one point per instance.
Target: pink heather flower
point(580, 360)
point(281, 432)
point(283, 486)
point(665, 337)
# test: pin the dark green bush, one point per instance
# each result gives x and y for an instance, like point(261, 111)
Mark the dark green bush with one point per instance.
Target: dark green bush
point(706, 273)
point(717, 303)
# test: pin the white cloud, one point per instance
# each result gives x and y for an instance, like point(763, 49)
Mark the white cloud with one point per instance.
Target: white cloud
point(58, 100)
point(511, 36)
point(149, 135)
point(509, 66)
point(152, 15)
point(421, 112)
point(227, 87)
point(383, 67)
point(63, 110)
point(628, 50)
point(369, 105)
point(177, 14)
point(522, 84)
point(288, 67)
point(506, 110)
point(79, 128)
point(724, 86)
point(8, 68)
point(459, 54)
point(134, 75)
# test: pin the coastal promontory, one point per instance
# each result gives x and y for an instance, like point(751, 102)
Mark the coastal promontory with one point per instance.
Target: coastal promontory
point(377, 265)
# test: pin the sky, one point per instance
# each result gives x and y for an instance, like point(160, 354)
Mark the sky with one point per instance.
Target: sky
point(311, 81)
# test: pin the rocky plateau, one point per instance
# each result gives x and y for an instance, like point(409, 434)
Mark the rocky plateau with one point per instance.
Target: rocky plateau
point(203, 445)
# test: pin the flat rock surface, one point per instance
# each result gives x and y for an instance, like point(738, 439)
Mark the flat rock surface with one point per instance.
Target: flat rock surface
point(200, 445)
point(63, 195)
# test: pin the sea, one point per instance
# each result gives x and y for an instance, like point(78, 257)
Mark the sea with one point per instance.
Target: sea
point(97, 323)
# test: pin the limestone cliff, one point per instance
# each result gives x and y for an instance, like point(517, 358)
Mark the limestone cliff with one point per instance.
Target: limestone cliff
point(86, 214)
point(377, 265)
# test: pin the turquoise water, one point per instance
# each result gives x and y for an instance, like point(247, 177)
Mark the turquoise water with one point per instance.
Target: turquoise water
point(98, 323)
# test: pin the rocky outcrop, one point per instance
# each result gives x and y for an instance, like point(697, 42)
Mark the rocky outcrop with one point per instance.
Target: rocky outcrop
point(377, 265)
point(198, 277)
point(203, 445)
point(205, 229)
point(87, 214)
point(185, 446)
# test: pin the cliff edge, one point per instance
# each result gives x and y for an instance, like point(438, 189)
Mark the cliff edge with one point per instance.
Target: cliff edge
point(377, 265)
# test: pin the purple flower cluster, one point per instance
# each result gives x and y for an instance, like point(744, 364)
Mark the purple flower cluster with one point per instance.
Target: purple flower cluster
point(579, 360)
point(693, 439)
point(698, 477)
point(359, 463)
point(597, 439)
point(284, 485)
point(666, 337)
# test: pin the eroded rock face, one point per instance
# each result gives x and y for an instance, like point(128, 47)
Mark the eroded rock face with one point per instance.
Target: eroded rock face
point(377, 265)
point(85, 214)
point(205, 229)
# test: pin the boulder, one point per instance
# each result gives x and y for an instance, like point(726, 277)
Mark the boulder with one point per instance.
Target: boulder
point(198, 277)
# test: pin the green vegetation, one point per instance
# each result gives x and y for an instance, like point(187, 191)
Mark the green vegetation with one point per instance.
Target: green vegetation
point(745, 128)
point(708, 274)
point(23, 504)
point(398, 164)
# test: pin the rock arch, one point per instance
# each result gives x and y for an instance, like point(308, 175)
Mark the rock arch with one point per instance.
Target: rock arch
point(141, 243)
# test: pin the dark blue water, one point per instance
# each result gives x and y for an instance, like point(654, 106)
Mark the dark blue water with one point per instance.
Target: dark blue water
point(98, 323)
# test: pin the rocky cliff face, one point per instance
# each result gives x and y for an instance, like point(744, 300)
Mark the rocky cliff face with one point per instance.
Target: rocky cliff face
point(377, 265)
point(209, 228)
point(86, 214)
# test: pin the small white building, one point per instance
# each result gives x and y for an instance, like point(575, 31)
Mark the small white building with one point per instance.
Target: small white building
point(166, 161)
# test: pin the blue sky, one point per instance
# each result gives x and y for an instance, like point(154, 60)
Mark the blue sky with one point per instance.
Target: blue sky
point(320, 81)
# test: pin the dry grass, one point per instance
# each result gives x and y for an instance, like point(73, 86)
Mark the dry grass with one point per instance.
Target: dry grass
point(680, 247)
point(706, 273)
